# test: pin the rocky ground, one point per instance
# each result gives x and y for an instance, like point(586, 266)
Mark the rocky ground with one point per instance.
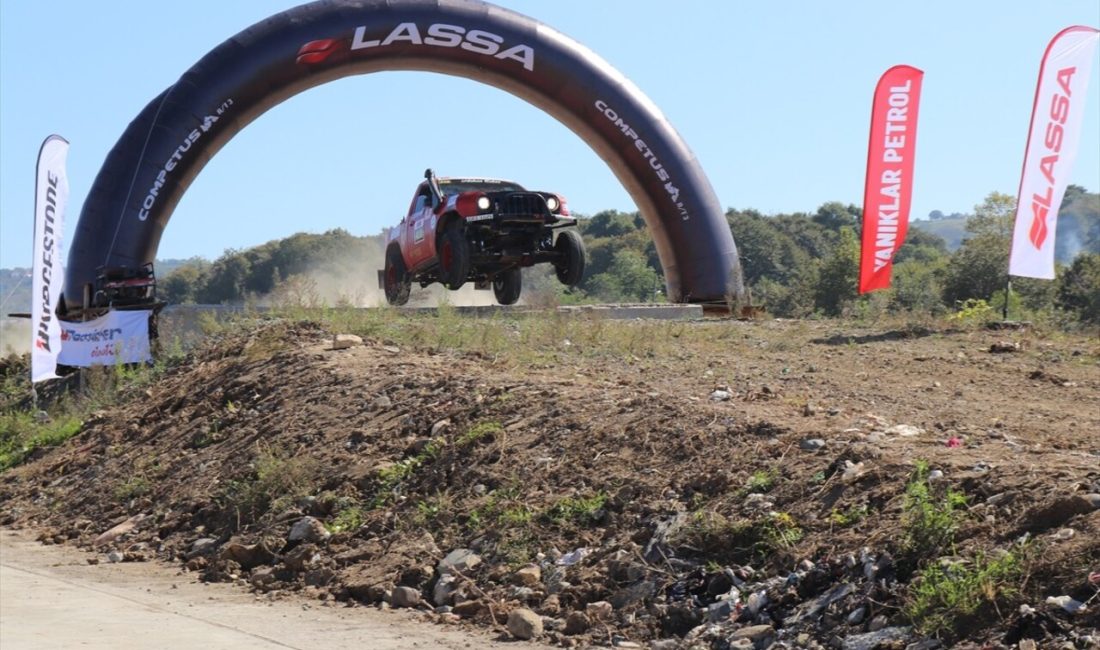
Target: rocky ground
point(719, 484)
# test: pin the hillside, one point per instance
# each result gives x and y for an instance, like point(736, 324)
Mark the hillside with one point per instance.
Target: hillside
point(686, 484)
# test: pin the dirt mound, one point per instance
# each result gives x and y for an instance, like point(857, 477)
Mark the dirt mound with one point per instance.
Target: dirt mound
point(801, 483)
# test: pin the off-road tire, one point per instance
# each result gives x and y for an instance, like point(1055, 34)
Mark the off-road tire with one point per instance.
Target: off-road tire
point(395, 279)
point(507, 285)
point(454, 257)
point(570, 266)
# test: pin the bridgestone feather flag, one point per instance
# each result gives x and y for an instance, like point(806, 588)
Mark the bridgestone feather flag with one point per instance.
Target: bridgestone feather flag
point(1051, 149)
point(888, 189)
point(48, 273)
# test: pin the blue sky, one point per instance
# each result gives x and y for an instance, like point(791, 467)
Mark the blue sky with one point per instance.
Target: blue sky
point(773, 98)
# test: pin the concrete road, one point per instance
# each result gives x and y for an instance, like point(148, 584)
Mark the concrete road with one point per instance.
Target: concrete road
point(51, 598)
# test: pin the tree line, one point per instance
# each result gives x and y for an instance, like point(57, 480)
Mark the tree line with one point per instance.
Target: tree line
point(795, 265)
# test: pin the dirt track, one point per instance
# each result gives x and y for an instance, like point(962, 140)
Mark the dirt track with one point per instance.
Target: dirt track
point(671, 452)
point(52, 598)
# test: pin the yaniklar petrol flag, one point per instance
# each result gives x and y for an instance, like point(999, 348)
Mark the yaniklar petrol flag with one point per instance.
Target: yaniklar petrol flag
point(1051, 149)
point(888, 190)
point(47, 274)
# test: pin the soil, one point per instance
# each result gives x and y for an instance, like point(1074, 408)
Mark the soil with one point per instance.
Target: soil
point(695, 484)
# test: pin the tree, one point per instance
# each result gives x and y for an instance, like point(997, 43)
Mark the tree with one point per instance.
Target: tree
point(980, 266)
point(1079, 288)
point(628, 278)
point(834, 215)
point(184, 284)
point(838, 282)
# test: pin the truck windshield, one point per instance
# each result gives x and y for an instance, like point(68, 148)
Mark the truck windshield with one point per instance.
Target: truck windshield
point(459, 185)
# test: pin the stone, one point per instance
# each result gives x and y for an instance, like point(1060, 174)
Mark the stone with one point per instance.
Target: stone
point(635, 593)
point(600, 610)
point(1093, 499)
point(904, 430)
point(811, 444)
point(720, 611)
point(928, 644)
point(301, 558)
point(877, 623)
point(468, 608)
point(754, 633)
point(443, 592)
point(460, 560)
point(440, 427)
point(857, 616)
point(524, 624)
point(262, 577)
point(114, 557)
point(809, 410)
point(345, 341)
point(202, 546)
point(115, 532)
point(720, 396)
point(528, 576)
point(1027, 644)
point(247, 555)
point(888, 636)
point(576, 623)
point(405, 597)
point(381, 402)
point(664, 644)
point(310, 530)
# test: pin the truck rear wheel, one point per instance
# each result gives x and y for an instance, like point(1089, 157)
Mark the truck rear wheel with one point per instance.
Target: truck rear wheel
point(395, 279)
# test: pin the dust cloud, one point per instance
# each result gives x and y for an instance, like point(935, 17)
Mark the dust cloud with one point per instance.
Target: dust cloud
point(15, 336)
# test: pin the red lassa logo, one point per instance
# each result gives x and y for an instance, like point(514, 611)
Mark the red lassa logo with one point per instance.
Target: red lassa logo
point(1052, 141)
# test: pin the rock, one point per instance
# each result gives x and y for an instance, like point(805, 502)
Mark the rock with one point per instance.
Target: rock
point(262, 577)
point(247, 555)
point(392, 349)
point(889, 636)
point(904, 430)
point(740, 644)
point(1001, 499)
point(809, 410)
point(1093, 499)
point(600, 610)
point(720, 396)
point(877, 623)
point(115, 532)
point(664, 644)
point(381, 402)
point(576, 623)
point(720, 611)
point(760, 635)
point(405, 597)
point(623, 643)
point(1064, 534)
point(468, 608)
point(634, 593)
point(1027, 644)
point(812, 444)
point(460, 560)
point(114, 557)
point(345, 341)
point(1001, 347)
point(528, 576)
point(444, 591)
point(202, 546)
point(440, 427)
point(927, 644)
point(852, 471)
point(308, 529)
point(301, 558)
point(524, 624)
point(857, 616)
point(756, 602)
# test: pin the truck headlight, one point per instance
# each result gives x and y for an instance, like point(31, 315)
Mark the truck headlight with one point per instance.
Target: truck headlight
point(553, 203)
point(483, 203)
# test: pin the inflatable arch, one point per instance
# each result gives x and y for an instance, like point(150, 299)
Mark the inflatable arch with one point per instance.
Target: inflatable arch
point(169, 142)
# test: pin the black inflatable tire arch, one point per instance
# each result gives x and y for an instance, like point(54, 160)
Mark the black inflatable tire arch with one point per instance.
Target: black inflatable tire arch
point(169, 142)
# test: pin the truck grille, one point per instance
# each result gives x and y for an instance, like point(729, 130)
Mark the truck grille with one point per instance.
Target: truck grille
point(523, 205)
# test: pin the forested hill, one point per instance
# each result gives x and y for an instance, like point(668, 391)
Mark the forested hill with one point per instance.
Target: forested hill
point(796, 265)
